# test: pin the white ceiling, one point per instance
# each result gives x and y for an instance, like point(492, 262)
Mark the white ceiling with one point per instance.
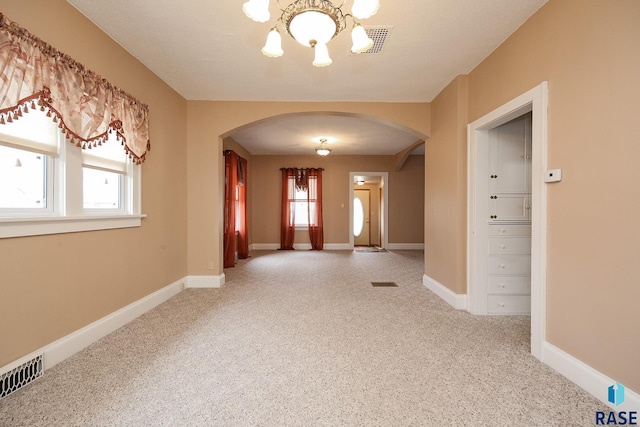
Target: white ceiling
point(209, 50)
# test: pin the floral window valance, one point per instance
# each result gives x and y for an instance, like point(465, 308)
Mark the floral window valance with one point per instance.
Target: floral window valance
point(86, 107)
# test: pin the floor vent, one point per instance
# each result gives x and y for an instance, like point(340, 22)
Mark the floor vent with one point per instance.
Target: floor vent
point(20, 376)
point(379, 36)
point(384, 284)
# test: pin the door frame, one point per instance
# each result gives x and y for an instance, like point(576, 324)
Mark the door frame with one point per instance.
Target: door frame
point(384, 221)
point(536, 101)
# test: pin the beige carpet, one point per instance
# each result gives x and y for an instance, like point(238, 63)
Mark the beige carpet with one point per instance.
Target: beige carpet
point(303, 339)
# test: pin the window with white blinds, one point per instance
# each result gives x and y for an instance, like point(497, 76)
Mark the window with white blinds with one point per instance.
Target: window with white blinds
point(48, 185)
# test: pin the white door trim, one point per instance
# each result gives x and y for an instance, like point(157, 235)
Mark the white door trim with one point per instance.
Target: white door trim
point(385, 205)
point(536, 101)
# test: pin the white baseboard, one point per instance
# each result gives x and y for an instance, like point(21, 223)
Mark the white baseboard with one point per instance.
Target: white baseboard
point(205, 281)
point(338, 247)
point(69, 345)
point(265, 246)
point(587, 378)
point(406, 246)
point(457, 301)
point(300, 246)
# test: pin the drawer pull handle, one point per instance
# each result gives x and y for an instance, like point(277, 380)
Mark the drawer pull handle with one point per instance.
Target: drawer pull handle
point(501, 305)
point(503, 247)
point(502, 285)
point(502, 266)
point(502, 230)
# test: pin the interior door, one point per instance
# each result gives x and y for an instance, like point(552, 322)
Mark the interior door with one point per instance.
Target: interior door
point(361, 218)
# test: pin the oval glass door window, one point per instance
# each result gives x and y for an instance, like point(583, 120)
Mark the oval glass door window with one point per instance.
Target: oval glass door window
point(358, 217)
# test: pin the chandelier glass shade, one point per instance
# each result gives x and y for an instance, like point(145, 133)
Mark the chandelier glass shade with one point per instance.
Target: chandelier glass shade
point(313, 23)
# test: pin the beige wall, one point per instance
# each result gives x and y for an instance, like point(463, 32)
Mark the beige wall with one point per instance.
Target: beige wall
point(406, 195)
point(209, 122)
point(446, 186)
point(53, 285)
point(588, 51)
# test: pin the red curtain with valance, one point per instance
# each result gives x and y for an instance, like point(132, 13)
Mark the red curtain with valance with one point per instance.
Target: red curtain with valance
point(295, 181)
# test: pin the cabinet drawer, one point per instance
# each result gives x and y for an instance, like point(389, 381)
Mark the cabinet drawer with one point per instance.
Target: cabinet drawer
point(509, 245)
point(510, 266)
point(509, 285)
point(509, 230)
point(509, 304)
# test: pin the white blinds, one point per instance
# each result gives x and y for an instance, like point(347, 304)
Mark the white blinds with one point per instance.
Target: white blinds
point(110, 157)
point(34, 131)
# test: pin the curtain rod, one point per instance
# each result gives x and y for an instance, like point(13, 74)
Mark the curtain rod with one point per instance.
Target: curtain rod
point(320, 169)
point(225, 152)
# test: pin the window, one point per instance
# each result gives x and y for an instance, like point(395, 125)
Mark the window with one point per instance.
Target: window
point(23, 180)
point(102, 170)
point(301, 206)
point(48, 185)
point(101, 190)
point(358, 217)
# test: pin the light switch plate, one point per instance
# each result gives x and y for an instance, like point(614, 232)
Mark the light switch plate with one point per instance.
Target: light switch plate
point(553, 175)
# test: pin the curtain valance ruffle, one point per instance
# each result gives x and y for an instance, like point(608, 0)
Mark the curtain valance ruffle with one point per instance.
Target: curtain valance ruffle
point(86, 107)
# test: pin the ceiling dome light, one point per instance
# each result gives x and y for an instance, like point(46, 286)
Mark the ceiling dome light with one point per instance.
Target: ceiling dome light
point(309, 26)
point(323, 150)
point(313, 23)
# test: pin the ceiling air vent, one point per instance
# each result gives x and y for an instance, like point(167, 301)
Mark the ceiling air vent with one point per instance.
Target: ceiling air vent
point(379, 36)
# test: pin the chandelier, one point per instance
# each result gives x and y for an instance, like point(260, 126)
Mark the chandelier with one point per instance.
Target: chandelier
point(313, 23)
point(323, 150)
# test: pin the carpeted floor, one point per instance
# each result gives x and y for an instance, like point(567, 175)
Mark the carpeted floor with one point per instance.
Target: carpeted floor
point(369, 249)
point(302, 338)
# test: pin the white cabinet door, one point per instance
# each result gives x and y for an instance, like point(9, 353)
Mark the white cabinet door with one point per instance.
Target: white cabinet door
point(510, 157)
point(510, 171)
point(510, 207)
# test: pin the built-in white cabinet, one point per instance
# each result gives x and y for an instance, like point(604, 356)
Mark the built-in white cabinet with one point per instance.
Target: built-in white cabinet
point(508, 256)
point(510, 171)
point(509, 269)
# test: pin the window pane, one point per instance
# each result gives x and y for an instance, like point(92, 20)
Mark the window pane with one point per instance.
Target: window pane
point(22, 179)
point(301, 213)
point(100, 189)
point(358, 217)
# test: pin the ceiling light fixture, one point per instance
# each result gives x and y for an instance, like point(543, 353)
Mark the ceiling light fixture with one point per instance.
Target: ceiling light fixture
point(313, 23)
point(323, 150)
point(360, 182)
